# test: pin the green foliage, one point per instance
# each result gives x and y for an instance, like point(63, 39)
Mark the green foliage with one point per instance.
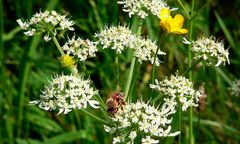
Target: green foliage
point(27, 63)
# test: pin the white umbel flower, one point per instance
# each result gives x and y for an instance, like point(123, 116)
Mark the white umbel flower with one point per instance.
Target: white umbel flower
point(144, 119)
point(143, 7)
point(210, 50)
point(48, 22)
point(80, 48)
point(177, 88)
point(121, 38)
point(67, 92)
point(117, 38)
point(235, 88)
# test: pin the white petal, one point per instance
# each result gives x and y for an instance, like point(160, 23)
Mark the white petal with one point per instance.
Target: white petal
point(34, 102)
point(93, 103)
point(174, 134)
point(185, 41)
point(218, 63)
point(60, 111)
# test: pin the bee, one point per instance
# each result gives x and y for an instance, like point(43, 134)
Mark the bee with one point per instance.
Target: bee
point(114, 102)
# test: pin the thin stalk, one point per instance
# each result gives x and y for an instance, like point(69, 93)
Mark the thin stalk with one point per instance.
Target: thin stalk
point(57, 45)
point(117, 72)
point(97, 97)
point(192, 66)
point(179, 122)
point(155, 57)
point(130, 75)
point(225, 77)
point(136, 69)
point(190, 74)
point(183, 7)
point(132, 67)
point(94, 117)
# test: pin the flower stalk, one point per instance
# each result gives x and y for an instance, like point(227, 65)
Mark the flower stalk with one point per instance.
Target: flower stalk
point(57, 45)
point(95, 117)
point(190, 116)
point(132, 67)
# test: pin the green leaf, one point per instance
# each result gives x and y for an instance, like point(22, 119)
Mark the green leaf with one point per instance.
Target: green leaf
point(44, 122)
point(68, 137)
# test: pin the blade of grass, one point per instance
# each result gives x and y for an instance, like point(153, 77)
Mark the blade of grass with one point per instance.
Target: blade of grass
point(96, 13)
point(225, 77)
point(1, 61)
point(226, 32)
point(25, 67)
point(68, 137)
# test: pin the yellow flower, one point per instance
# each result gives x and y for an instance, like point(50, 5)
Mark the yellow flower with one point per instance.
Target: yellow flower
point(67, 61)
point(172, 25)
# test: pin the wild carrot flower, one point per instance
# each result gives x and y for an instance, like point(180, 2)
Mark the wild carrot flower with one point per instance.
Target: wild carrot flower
point(117, 38)
point(140, 120)
point(120, 38)
point(235, 88)
point(210, 51)
point(142, 7)
point(67, 92)
point(177, 88)
point(47, 23)
point(82, 49)
point(170, 24)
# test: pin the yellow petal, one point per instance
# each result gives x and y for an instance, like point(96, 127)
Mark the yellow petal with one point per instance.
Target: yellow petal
point(166, 24)
point(165, 13)
point(180, 31)
point(178, 21)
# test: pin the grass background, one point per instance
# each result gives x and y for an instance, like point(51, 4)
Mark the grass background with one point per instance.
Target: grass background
point(27, 63)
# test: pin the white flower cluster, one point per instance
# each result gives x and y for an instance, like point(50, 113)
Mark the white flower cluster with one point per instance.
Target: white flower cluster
point(177, 88)
point(47, 23)
point(80, 48)
point(210, 50)
point(116, 38)
point(235, 88)
point(120, 38)
point(67, 92)
point(141, 118)
point(143, 7)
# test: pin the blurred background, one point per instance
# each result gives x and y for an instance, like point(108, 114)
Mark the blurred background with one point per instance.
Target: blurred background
point(28, 63)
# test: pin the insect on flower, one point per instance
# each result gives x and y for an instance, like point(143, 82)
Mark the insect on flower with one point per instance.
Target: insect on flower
point(114, 101)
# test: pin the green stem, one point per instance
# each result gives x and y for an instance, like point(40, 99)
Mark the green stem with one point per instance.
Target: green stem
point(117, 72)
point(132, 67)
point(183, 7)
point(190, 74)
point(57, 45)
point(225, 77)
point(155, 57)
point(93, 116)
point(97, 97)
point(179, 122)
point(130, 75)
point(192, 66)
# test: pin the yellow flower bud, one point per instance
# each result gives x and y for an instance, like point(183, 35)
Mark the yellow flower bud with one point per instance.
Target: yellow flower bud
point(67, 61)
